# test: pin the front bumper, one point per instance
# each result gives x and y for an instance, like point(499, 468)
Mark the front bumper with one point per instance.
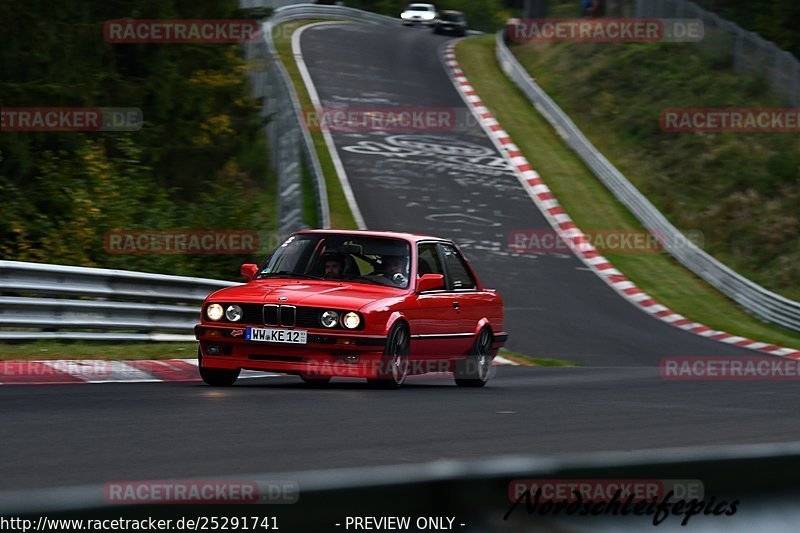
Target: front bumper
point(451, 28)
point(417, 22)
point(341, 353)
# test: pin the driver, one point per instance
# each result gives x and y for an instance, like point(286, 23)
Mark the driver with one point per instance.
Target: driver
point(332, 265)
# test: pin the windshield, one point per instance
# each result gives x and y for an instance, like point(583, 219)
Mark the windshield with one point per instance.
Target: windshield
point(371, 260)
point(452, 17)
point(419, 7)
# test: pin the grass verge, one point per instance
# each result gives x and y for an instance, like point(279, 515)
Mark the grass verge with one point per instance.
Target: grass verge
point(341, 216)
point(58, 349)
point(592, 206)
point(527, 360)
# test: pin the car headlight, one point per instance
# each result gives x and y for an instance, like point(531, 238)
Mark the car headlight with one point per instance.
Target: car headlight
point(404, 15)
point(234, 313)
point(351, 320)
point(428, 16)
point(329, 319)
point(214, 312)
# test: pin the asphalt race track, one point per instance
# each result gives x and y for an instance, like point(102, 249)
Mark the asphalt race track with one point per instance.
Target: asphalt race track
point(77, 434)
point(450, 183)
point(555, 307)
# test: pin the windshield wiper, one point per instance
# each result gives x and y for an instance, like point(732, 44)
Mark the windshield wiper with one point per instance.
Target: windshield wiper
point(370, 280)
point(286, 273)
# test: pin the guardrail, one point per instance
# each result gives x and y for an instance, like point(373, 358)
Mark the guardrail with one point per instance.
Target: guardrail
point(165, 305)
point(313, 11)
point(749, 52)
point(290, 144)
point(90, 303)
point(291, 150)
point(291, 147)
point(757, 300)
point(478, 492)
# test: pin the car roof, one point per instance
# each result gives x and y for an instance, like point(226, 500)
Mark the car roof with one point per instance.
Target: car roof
point(417, 4)
point(413, 237)
point(451, 12)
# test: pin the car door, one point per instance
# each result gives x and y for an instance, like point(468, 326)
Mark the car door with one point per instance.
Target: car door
point(434, 317)
point(466, 300)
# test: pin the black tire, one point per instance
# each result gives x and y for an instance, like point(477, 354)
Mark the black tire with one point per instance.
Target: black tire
point(316, 382)
point(214, 376)
point(476, 370)
point(393, 369)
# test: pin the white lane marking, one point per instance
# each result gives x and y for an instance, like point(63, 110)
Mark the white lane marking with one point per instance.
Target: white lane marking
point(326, 134)
point(102, 371)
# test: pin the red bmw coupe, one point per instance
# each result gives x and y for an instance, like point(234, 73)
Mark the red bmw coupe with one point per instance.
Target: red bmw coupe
point(363, 304)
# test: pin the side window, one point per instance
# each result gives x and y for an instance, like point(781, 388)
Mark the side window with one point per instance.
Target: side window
point(460, 276)
point(429, 262)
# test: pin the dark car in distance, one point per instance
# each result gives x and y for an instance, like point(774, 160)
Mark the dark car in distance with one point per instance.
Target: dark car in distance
point(453, 22)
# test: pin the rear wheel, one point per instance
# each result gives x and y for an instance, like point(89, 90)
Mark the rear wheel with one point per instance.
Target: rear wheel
point(216, 377)
point(476, 369)
point(394, 364)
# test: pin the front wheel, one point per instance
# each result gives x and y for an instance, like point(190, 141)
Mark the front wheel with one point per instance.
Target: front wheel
point(214, 376)
point(394, 364)
point(476, 369)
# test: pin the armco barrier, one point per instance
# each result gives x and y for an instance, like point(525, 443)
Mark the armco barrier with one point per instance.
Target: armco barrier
point(42, 301)
point(95, 303)
point(290, 145)
point(764, 304)
point(475, 493)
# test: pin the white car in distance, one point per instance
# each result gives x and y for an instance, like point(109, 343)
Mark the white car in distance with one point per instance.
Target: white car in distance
point(423, 14)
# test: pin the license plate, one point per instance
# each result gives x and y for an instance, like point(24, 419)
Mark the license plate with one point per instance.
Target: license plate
point(285, 336)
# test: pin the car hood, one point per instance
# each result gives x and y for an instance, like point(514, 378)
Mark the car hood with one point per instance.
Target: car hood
point(305, 292)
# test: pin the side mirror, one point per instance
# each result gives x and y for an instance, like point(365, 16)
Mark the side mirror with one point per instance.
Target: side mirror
point(430, 282)
point(249, 270)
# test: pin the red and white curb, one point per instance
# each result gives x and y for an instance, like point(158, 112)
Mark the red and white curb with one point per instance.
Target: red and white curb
point(73, 371)
point(572, 235)
point(69, 371)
